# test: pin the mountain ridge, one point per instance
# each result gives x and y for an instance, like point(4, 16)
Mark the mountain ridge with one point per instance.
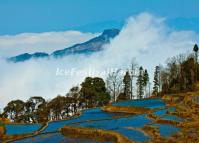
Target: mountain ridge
point(93, 45)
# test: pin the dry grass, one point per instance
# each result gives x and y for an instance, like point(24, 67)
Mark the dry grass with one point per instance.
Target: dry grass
point(152, 131)
point(1, 131)
point(4, 120)
point(126, 109)
point(94, 134)
point(187, 108)
point(162, 121)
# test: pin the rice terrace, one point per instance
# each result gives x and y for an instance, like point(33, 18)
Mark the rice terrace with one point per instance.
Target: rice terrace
point(81, 71)
point(159, 120)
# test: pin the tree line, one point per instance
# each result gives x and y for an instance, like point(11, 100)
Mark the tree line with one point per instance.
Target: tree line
point(36, 109)
point(134, 84)
point(93, 92)
point(179, 75)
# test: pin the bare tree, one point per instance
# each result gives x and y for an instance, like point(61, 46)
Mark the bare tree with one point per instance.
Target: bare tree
point(133, 75)
point(114, 84)
point(149, 86)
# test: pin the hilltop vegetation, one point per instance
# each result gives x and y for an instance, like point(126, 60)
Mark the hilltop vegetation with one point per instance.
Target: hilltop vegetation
point(180, 74)
point(36, 109)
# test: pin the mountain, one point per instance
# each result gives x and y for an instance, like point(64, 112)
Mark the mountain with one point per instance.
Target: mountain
point(93, 45)
point(27, 56)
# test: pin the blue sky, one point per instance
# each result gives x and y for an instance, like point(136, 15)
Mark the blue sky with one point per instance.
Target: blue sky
point(19, 16)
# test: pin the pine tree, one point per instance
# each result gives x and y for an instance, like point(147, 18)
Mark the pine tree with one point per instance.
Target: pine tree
point(145, 79)
point(156, 80)
point(140, 83)
point(127, 85)
point(195, 49)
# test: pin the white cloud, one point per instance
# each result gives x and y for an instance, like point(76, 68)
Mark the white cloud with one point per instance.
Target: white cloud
point(145, 37)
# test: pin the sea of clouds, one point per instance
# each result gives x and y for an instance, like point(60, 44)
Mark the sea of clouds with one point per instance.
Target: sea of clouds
point(145, 37)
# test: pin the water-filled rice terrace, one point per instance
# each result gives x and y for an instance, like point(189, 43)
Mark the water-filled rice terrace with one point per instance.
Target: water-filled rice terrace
point(15, 129)
point(147, 103)
point(128, 125)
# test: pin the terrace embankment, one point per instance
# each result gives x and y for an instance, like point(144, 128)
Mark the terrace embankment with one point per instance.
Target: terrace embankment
point(190, 110)
point(1, 131)
point(152, 131)
point(187, 107)
point(94, 134)
point(126, 109)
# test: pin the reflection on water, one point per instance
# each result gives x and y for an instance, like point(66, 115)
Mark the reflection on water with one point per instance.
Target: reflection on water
point(167, 130)
point(54, 138)
point(147, 103)
point(119, 125)
point(15, 129)
point(90, 114)
point(173, 118)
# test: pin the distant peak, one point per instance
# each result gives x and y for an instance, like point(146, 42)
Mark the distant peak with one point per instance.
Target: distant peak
point(111, 32)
